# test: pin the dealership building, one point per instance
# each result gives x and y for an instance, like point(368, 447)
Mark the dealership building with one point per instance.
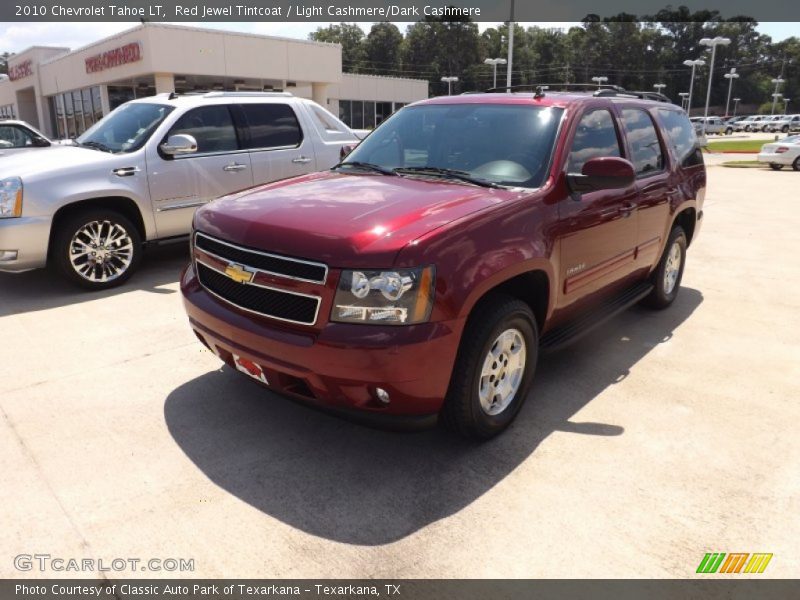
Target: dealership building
point(63, 92)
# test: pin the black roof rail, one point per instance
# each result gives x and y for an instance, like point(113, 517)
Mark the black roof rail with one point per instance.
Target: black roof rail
point(555, 85)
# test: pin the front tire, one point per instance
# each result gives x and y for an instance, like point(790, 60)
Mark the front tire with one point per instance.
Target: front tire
point(796, 164)
point(775, 166)
point(96, 249)
point(666, 279)
point(494, 368)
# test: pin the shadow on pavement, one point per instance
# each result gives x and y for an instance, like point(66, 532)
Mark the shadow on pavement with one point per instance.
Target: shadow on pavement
point(352, 484)
point(43, 289)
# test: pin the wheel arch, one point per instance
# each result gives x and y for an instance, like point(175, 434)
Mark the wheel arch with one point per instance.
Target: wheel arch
point(687, 219)
point(121, 204)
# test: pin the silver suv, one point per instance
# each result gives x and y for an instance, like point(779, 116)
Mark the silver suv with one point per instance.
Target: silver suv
point(19, 136)
point(138, 175)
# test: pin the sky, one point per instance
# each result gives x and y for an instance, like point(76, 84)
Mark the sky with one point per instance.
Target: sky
point(15, 37)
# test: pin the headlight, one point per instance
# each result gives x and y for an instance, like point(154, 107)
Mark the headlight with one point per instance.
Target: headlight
point(396, 297)
point(10, 197)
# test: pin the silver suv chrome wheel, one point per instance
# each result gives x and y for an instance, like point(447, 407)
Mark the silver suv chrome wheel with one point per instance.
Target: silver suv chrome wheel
point(501, 375)
point(673, 267)
point(101, 251)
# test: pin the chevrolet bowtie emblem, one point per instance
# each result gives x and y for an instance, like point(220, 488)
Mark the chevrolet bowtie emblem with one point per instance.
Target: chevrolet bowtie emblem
point(239, 273)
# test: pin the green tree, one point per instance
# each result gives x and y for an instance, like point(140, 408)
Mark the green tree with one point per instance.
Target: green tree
point(382, 49)
point(351, 38)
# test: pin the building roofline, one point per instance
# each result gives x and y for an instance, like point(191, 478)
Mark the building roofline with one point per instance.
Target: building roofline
point(38, 47)
point(148, 25)
point(368, 75)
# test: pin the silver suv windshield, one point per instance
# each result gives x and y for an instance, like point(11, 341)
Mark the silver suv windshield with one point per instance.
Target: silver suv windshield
point(501, 144)
point(126, 128)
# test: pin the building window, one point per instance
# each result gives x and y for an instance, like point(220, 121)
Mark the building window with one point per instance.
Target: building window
point(74, 112)
point(382, 111)
point(119, 94)
point(7, 111)
point(345, 111)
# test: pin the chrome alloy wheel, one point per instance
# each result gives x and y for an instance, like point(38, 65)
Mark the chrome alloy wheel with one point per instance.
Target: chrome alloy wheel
point(101, 251)
point(673, 268)
point(502, 372)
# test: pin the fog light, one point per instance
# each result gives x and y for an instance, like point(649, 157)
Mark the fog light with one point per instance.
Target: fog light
point(382, 395)
point(6, 255)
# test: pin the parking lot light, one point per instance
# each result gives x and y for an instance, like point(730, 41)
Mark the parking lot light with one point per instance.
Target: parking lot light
point(659, 86)
point(599, 80)
point(684, 96)
point(692, 63)
point(494, 62)
point(449, 80)
point(711, 43)
point(777, 81)
point(736, 105)
point(730, 77)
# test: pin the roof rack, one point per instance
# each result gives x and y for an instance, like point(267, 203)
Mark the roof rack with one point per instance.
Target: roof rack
point(602, 90)
point(224, 94)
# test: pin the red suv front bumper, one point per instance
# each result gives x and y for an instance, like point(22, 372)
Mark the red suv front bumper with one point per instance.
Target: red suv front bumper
point(338, 367)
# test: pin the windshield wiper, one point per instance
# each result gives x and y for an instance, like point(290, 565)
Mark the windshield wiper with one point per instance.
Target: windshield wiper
point(95, 145)
point(449, 174)
point(365, 165)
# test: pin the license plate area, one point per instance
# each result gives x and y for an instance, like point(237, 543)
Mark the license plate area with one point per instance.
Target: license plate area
point(249, 368)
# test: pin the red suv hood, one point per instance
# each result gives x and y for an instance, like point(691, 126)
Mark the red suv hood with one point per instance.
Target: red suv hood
point(344, 220)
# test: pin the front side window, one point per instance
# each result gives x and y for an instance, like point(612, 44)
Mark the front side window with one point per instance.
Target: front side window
point(506, 144)
point(211, 126)
point(596, 136)
point(125, 129)
point(271, 126)
point(14, 137)
point(646, 154)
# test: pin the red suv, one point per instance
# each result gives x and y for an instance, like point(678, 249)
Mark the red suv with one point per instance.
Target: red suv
point(421, 277)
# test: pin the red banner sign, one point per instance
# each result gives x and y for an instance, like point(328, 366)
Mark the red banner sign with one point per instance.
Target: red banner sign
point(21, 70)
point(114, 58)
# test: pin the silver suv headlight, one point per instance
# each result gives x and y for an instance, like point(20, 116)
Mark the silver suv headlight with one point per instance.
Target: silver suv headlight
point(391, 297)
point(10, 197)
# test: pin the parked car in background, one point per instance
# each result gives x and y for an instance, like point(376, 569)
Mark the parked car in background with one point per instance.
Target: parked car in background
point(19, 136)
point(713, 125)
point(780, 154)
point(138, 175)
point(751, 123)
point(423, 276)
point(785, 124)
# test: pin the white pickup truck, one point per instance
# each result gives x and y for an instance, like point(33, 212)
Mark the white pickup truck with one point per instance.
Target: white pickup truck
point(139, 174)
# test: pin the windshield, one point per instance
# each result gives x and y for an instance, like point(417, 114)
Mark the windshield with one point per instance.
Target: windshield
point(505, 144)
point(125, 129)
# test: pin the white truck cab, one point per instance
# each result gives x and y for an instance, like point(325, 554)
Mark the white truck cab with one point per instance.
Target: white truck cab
point(139, 174)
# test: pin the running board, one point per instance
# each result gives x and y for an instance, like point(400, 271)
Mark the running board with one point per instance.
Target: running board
point(568, 333)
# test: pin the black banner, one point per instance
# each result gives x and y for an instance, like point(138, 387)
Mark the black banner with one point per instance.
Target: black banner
point(463, 589)
point(380, 10)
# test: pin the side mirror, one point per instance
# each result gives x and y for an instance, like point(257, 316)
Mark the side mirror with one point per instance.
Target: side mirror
point(604, 173)
point(40, 142)
point(345, 150)
point(180, 143)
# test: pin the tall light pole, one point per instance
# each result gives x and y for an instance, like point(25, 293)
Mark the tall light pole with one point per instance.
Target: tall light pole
point(775, 96)
point(659, 86)
point(494, 62)
point(510, 45)
point(786, 104)
point(449, 81)
point(730, 77)
point(711, 43)
point(684, 96)
point(692, 63)
point(735, 105)
point(600, 80)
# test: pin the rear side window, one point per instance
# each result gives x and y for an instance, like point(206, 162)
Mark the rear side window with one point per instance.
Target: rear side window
point(681, 136)
point(646, 154)
point(211, 126)
point(271, 126)
point(14, 137)
point(595, 136)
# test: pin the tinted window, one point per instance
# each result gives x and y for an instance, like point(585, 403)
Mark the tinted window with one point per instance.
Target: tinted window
point(595, 136)
point(211, 126)
point(271, 126)
point(503, 143)
point(14, 137)
point(646, 154)
point(681, 136)
point(127, 128)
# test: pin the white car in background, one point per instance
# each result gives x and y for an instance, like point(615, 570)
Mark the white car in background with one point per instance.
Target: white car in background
point(712, 125)
point(19, 136)
point(752, 123)
point(785, 124)
point(781, 154)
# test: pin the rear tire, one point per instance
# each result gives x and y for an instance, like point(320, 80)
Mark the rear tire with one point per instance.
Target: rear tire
point(796, 164)
point(666, 279)
point(96, 249)
point(494, 368)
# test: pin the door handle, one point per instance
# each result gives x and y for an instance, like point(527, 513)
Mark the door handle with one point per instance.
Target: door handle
point(301, 160)
point(626, 209)
point(126, 171)
point(234, 167)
